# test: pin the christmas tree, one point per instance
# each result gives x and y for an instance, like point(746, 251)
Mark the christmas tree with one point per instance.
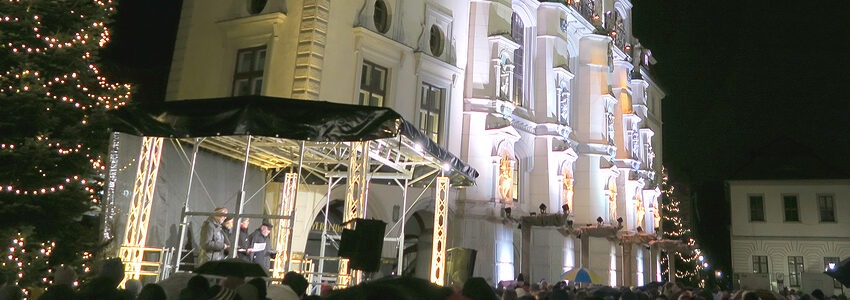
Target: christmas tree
point(54, 138)
point(687, 263)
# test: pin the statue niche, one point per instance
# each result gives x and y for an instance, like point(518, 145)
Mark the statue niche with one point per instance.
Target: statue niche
point(506, 180)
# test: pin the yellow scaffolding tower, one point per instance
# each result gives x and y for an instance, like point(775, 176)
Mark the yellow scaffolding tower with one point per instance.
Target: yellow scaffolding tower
point(438, 250)
point(283, 234)
point(355, 197)
point(135, 236)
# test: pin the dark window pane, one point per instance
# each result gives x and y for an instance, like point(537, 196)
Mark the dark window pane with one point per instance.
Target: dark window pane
point(791, 211)
point(756, 208)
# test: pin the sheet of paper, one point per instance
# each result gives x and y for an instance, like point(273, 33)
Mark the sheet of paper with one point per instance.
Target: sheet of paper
point(258, 247)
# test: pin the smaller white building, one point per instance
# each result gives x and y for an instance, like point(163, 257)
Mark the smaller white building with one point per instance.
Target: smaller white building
point(790, 230)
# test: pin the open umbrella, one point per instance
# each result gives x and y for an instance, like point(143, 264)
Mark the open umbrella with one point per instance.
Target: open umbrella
point(232, 267)
point(581, 275)
point(841, 272)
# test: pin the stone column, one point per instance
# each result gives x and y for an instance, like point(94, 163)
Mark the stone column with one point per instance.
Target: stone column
point(525, 251)
point(585, 251)
point(654, 257)
point(671, 266)
point(628, 260)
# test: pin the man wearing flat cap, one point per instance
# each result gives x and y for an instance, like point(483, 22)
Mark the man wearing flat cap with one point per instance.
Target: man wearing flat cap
point(261, 252)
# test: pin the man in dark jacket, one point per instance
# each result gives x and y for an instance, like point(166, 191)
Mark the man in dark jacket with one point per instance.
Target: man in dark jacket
point(260, 239)
point(244, 242)
point(212, 239)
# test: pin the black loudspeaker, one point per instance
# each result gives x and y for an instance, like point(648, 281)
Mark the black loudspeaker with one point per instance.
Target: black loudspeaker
point(348, 244)
point(460, 263)
point(363, 245)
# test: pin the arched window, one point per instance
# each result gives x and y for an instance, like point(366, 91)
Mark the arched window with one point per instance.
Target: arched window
point(518, 36)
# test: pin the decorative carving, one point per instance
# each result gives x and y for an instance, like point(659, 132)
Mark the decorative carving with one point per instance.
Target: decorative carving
point(612, 198)
point(567, 189)
point(639, 209)
point(505, 73)
point(609, 121)
point(635, 139)
point(562, 92)
point(656, 214)
point(650, 155)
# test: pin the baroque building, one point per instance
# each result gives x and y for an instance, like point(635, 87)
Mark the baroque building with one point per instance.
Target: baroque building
point(551, 101)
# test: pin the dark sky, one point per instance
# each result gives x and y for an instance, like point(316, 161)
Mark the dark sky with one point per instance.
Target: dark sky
point(754, 88)
point(742, 76)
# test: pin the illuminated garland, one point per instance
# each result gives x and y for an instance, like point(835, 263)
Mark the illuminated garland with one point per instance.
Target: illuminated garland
point(36, 40)
point(53, 86)
point(22, 254)
point(688, 267)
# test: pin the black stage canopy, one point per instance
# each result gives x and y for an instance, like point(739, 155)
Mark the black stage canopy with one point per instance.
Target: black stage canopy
point(319, 124)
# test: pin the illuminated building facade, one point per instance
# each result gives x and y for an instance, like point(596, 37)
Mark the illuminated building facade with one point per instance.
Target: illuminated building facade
point(552, 103)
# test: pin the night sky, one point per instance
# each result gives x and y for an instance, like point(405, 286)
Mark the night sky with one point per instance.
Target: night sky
point(755, 89)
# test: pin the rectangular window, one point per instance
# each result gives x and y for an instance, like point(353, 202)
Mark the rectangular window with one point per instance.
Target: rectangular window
point(373, 84)
point(833, 261)
point(431, 111)
point(756, 208)
point(826, 206)
point(792, 212)
point(795, 269)
point(760, 264)
point(248, 77)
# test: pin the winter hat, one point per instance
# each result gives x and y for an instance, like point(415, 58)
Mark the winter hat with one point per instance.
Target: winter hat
point(64, 275)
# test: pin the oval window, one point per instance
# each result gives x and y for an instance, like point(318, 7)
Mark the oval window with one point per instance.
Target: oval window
point(256, 6)
point(436, 42)
point(381, 16)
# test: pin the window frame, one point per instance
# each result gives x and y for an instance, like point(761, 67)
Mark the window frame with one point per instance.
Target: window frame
point(518, 35)
point(366, 93)
point(795, 270)
point(822, 208)
point(427, 111)
point(795, 210)
point(750, 199)
point(254, 76)
point(760, 264)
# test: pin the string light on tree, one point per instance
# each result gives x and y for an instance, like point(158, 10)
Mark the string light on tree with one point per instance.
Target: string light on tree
point(54, 95)
point(687, 264)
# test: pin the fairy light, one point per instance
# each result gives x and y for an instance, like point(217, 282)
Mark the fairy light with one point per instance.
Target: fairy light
point(688, 266)
point(53, 54)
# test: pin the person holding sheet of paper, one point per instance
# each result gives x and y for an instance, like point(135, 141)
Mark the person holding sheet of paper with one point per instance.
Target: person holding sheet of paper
point(260, 251)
